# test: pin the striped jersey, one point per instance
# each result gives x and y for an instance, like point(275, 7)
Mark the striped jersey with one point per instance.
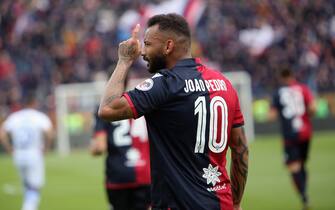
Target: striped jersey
point(292, 101)
point(127, 164)
point(190, 111)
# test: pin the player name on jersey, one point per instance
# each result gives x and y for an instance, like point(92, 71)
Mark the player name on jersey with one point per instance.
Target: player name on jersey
point(195, 85)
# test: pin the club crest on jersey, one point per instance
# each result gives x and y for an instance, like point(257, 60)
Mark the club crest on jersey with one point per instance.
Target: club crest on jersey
point(211, 174)
point(145, 85)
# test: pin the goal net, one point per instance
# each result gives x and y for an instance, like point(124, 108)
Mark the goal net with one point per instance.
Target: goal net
point(76, 103)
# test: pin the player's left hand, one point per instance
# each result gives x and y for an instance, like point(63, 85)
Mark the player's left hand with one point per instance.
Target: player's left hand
point(130, 49)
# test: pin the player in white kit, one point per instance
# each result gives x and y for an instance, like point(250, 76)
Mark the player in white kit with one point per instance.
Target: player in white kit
point(26, 134)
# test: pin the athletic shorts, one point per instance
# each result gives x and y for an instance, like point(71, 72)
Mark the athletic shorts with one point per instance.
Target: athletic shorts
point(295, 151)
point(137, 198)
point(31, 168)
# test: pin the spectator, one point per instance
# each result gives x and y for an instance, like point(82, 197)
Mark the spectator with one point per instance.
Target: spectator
point(45, 38)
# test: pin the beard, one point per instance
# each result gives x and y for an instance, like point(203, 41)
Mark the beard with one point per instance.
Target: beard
point(156, 63)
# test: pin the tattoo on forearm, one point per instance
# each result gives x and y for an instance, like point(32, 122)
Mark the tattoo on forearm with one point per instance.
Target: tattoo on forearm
point(110, 99)
point(127, 51)
point(239, 169)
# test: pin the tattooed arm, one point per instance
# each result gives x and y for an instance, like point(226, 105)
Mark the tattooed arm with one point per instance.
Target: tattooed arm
point(112, 105)
point(239, 164)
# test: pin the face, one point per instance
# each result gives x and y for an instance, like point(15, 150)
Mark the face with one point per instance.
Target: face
point(152, 51)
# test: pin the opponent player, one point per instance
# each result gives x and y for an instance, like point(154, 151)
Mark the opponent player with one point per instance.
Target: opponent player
point(295, 104)
point(31, 133)
point(127, 164)
point(192, 113)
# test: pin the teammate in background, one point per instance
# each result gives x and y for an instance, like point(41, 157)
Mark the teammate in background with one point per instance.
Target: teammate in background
point(294, 103)
point(30, 132)
point(127, 164)
point(192, 113)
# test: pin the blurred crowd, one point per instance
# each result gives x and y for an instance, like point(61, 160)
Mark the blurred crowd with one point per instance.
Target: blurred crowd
point(264, 36)
point(44, 43)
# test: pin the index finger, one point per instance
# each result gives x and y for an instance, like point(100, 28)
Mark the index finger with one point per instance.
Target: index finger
point(136, 30)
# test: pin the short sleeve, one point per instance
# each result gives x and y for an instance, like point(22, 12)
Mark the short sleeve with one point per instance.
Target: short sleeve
point(275, 100)
point(45, 122)
point(6, 126)
point(99, 124)
point(238, 117)
point(148, 95)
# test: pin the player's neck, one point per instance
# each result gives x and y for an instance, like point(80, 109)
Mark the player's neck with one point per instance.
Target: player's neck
point(30, 106)
point(290, 81)
point(174, 59)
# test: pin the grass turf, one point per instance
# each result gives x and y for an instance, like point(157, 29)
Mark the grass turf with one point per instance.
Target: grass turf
point(76, 182)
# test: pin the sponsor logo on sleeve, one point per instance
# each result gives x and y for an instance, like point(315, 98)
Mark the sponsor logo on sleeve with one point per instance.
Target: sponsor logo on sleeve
point(145, 85)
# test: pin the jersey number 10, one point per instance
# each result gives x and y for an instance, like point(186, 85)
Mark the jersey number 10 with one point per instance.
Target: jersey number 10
point(215, 145)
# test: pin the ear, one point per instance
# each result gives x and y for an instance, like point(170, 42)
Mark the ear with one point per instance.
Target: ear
point(169, 47)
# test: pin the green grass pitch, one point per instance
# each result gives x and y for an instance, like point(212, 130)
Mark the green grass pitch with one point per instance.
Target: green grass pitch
point(76, 182)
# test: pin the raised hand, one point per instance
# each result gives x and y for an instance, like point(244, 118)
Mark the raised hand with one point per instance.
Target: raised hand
point(130, 49)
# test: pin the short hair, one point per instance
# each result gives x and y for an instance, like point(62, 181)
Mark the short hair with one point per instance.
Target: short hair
point(286, 73)
point(29, 97)
point(171, 22)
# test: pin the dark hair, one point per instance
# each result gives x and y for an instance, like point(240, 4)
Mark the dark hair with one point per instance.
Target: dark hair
point(29, 97)
point(286, 73)
point(171, 22)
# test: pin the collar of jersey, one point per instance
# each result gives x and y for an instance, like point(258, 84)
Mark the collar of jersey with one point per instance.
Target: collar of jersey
point(188, 62)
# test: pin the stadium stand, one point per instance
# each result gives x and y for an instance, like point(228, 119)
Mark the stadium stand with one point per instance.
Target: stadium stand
point(45, 43)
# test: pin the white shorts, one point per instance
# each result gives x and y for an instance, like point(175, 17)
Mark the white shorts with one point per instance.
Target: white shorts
point(31, 168)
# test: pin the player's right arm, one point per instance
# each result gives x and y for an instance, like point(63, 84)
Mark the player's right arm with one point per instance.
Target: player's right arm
point(113, 106)
point(100, 136)
point(4, 139)
point(239, 164)
point(99, 143)
point(272, 114)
